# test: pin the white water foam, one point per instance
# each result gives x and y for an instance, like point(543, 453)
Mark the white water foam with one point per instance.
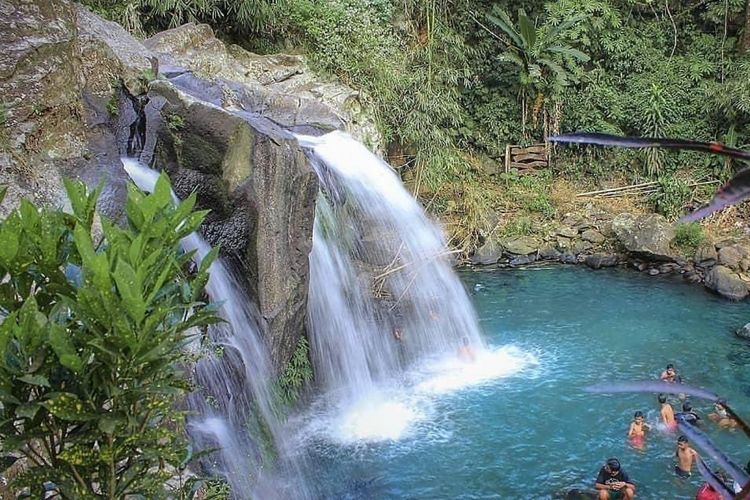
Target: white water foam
point(405, 410)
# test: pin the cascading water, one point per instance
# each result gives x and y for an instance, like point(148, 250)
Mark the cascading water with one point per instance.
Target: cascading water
point(234, 406)
point(384, 300)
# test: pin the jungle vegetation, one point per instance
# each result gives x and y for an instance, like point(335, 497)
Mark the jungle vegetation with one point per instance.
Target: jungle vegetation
point(452, 82)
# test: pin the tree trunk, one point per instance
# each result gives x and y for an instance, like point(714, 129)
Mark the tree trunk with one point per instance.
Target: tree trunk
point(745, 41)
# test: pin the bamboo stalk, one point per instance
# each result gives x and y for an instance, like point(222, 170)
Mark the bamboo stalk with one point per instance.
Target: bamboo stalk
point(644, 188)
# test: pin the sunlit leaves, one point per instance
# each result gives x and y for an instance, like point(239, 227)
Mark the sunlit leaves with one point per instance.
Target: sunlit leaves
point(92, 338)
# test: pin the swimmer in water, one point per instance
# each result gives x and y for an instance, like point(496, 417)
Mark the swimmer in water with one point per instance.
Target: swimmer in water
point(721, 416)
point(667, 413)
point(613, 482)
point(465, 352)
point(670, 374)
point(637, 430)
point(686, 457)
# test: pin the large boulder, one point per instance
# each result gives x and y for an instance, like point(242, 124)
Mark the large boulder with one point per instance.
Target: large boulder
point(726, 282)
point(489, 253)
point(283, 87)
point(521, 245)
point(261, 191)
point(648, 235)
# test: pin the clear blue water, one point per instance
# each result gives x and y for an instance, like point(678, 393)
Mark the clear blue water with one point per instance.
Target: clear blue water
point(537, 433)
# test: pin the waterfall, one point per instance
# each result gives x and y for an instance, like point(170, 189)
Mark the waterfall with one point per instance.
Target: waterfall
point(383, 294)
point(234, 406)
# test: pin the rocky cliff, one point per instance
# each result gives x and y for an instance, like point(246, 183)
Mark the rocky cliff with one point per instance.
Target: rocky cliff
point(78, 92)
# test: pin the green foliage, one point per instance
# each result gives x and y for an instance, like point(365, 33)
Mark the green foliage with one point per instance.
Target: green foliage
point(91, 343)
point(296, 374)
point(231, 17)
point(688, 237)
point(518, 226)
point(544, 59)
point(175, 123)
point(113, 105)
point(671, 197)
point(413, 82)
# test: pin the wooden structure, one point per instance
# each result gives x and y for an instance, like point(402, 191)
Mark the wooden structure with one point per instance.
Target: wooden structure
point(526, 159)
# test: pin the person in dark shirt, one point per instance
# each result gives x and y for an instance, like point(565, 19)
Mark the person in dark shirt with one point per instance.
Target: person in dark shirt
point(613, 482)
point(687, 414)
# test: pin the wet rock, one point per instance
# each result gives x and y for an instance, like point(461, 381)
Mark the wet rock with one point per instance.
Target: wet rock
point(726, 282)
point(692, 277)
point(522, 260)
point(599, 260)
point(487, 254)
point(744, 332)
point(668, 268)
point(261, 192)
point(648, 234)
point(548, 252)
point(569, 258)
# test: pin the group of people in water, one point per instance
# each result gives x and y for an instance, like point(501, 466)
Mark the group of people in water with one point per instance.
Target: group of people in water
point(613, 482)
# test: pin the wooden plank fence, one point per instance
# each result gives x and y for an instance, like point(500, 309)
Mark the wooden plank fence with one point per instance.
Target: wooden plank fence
point(527, 159)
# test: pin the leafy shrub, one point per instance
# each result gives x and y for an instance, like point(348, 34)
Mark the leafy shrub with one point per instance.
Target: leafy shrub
point(518, 226)
point(91, 343)
point(671, 197)
point(688, 237)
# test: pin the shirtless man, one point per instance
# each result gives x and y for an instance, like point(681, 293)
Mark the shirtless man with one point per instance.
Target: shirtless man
point(686, 457)
point(637, 430)
point(465, 352)
point(667, 413)
point(669, 374)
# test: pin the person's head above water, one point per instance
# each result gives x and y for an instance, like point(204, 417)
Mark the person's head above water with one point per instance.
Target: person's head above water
point(670, 366)
point(682, 439)
point(662, 398)
point(613, 465)
point(686, 406)
point(638, 414)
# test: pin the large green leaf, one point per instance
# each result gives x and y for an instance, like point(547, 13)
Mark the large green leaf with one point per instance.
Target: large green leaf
point(501, 19)
point(38, 380)
point(64, 348)
point(28, 410)
point(131, 291)
point(67, 406)
point(527, 30)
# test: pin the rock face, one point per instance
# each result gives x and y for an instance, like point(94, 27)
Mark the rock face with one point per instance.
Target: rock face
point(41, 125)
point(648, 235)
point(261, 191)
point(282, 86)
point(78, 92)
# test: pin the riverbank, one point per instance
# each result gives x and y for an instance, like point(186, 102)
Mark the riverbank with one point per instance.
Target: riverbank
point(609, 232)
